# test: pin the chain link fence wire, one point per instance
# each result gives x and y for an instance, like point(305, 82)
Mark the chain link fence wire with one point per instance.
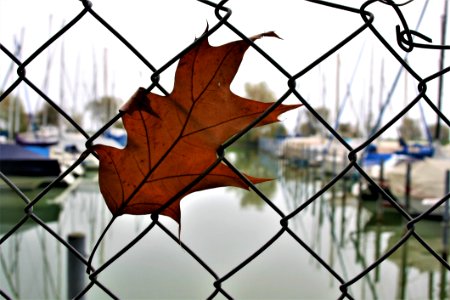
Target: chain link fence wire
point(407, 40)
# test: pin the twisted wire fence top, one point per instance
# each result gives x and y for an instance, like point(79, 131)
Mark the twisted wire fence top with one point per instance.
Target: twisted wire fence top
point(381, 23)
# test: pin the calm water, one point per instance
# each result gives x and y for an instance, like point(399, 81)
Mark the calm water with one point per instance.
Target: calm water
point(225, 226)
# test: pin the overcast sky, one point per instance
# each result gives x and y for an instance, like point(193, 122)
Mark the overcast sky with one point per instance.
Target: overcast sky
point(161, 29)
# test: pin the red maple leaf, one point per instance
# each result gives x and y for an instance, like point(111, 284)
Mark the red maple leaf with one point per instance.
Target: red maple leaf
point(173, 139)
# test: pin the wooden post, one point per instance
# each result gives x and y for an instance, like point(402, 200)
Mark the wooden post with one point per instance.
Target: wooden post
point(75, 267)
point(446, 218)
point(380, 197)
point(408, 187)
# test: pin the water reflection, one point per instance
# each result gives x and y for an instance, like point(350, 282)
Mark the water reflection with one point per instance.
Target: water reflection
point(225, 226)
point(255, 164)
point(27, 256)
point(12, 208)
point(359, 225)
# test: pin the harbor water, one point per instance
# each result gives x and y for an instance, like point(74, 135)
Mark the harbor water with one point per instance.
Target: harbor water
point(224, 227)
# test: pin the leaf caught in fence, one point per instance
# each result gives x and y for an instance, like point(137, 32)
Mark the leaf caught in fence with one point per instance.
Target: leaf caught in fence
point(173, 139)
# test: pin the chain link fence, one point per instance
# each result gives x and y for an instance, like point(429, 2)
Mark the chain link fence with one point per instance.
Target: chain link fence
point(407, 40)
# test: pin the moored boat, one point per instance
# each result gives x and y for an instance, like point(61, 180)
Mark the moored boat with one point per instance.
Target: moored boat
point(427, 181)
point(25, 168)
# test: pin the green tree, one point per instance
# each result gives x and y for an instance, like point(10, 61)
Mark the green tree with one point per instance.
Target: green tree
point(48, 115)
point(347, 130)
point(409, 129)
point(312, 126)
point(261, 92)
point(104, 109)
point(12, 115)
point(443, 133)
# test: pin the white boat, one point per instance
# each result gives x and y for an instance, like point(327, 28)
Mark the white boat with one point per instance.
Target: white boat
point(427, 187)
point(77, 141)
point(44, 136)
point(302, 151)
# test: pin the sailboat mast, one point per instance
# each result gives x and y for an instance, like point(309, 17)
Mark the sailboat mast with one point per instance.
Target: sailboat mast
point(62, 88)
point(44, 120)
point(369, 114)
point(105, 71)
point(338, 77)
point(109, 108)
point(94, 75)
point(381, 86)
point(441, 67)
